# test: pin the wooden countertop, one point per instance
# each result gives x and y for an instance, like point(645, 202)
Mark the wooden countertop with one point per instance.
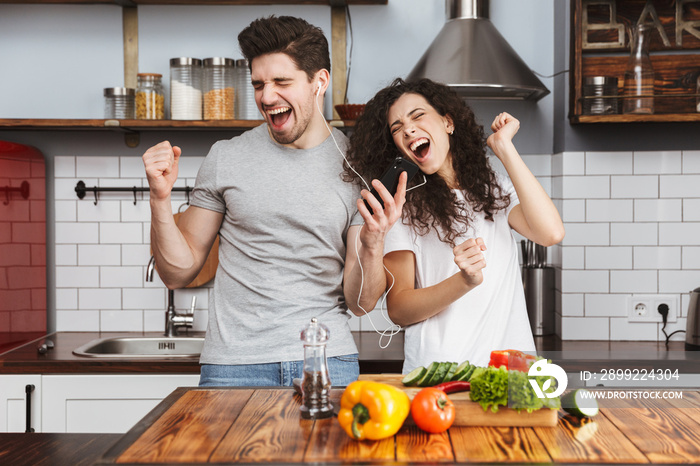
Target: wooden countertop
point(263, 425)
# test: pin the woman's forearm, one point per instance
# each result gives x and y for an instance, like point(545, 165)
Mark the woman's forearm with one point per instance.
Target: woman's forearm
point(541, 215)
point(409, 306)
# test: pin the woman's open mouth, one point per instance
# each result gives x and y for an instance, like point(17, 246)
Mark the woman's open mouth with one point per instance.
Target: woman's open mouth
point(279, 116)
point(420, 148)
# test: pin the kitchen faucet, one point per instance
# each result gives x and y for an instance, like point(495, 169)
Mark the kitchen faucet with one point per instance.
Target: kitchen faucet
point(173, 320)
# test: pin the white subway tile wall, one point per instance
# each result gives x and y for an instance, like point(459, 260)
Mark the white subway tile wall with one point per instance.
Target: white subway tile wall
point(632, 227)
point(102, 251)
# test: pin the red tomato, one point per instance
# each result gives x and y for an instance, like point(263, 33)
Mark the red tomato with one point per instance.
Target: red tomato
point(432, 410)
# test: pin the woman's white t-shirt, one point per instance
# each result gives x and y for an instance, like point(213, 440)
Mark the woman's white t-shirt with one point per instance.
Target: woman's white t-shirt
point(490, 317)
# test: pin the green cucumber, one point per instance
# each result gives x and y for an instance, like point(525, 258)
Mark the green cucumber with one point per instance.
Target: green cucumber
point(414, 376)
point(461, 369)
point(430, 371)
point(468, 375)
point(579, 403)
point(450, 372)
point(439, 373)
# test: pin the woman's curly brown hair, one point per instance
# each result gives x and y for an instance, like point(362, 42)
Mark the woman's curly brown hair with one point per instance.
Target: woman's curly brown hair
point(433, 205)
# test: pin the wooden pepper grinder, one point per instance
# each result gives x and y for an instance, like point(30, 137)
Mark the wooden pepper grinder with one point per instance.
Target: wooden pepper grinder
point(315, 383)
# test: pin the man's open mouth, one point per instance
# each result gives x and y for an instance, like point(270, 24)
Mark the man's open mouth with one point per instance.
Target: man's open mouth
point(279, 115)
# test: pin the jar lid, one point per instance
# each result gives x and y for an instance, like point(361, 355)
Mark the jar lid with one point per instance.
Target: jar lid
point(114, 91)
point(242, 62)
point(185, 61)
point(149, 75)
point(600, 80)
point(219, 61)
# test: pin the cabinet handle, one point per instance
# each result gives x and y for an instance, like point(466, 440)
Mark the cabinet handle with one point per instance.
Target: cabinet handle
point(28, 389)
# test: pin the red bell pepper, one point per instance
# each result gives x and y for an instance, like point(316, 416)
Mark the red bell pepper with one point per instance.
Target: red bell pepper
point(512, 360)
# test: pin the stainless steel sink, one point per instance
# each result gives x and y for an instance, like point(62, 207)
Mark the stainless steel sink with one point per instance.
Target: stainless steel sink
point(142, 347)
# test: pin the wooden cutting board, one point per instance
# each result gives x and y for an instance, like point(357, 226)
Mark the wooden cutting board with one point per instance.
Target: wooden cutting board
point(210, 265)
point(470, 413)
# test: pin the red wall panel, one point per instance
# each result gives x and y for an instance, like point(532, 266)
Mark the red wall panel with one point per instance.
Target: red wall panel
point(22, 239)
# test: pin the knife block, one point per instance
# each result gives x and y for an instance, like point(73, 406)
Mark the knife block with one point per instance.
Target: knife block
point(539, 299)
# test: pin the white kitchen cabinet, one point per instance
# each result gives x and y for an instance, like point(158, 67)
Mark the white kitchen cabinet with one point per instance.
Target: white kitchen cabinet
point(13, 402)
point(104, 403)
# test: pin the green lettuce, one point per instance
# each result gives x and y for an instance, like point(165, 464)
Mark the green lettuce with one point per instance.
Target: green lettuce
point(494, 387)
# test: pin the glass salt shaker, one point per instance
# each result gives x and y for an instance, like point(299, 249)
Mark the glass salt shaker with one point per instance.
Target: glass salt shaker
point(315, 383)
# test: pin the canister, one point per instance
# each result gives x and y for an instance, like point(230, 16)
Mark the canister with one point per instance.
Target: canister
point(119, 103)
point(246, 108)
point(150, 101)
point(185, 88)
point(219, 88)
point(600, 95)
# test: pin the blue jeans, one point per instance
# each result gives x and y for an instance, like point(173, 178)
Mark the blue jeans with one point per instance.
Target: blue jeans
point(342, 369)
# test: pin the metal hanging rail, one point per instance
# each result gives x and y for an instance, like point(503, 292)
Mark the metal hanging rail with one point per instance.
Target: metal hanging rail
point(23, 190)
point(81, 190)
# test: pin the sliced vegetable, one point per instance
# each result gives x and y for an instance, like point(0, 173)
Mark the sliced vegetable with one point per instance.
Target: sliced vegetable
point(432, 410)
point(579, 403)
point(372, 410)
point(451, 371)
point(440, 373)
point(425, 380)
point(494, 387)
point(453, 386)
point(467, 375)
point(461, 369)
point(414, 376)
point(511, 360)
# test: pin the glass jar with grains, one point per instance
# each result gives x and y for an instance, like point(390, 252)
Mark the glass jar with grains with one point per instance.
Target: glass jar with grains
point(218, 88)
point(150, 100)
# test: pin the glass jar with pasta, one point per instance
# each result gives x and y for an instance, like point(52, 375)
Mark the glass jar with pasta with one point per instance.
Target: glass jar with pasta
point(150, 100)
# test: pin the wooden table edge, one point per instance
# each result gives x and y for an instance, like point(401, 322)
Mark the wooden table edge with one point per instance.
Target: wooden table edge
point(111, 455)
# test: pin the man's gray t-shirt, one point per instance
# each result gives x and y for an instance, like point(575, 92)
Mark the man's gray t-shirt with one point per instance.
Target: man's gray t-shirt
point(282, 247)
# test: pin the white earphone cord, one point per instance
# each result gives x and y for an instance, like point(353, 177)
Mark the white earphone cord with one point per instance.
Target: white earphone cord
point(393, 328)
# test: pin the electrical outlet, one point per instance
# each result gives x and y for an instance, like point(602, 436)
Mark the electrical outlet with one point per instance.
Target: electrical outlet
point(645, 307)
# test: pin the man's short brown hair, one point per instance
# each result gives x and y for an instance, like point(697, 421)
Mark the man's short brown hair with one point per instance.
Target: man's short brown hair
point(304, 43)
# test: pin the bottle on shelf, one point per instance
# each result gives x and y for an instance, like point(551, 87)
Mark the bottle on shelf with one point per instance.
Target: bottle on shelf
point(638, 90)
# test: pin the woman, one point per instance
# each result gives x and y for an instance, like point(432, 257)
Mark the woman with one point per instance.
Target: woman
point(457, 285)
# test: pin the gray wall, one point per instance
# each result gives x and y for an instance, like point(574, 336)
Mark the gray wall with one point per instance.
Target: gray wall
point(69, 53)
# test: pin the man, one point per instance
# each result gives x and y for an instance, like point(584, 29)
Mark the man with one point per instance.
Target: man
point(292, 243)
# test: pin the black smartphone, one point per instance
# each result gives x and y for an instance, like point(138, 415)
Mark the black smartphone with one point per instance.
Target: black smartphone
point(390, 178)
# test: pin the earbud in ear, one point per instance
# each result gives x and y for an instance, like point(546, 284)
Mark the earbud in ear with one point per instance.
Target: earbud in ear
point(318, 89)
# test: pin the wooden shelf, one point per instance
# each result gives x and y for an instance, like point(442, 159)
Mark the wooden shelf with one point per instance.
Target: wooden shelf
point(137, 125)
point(631, 118)
point(599, 47)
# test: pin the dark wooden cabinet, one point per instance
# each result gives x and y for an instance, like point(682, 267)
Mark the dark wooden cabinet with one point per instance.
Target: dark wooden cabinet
point(600, 47)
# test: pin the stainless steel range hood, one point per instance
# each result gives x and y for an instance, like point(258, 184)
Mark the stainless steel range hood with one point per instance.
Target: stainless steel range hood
point(471, 56)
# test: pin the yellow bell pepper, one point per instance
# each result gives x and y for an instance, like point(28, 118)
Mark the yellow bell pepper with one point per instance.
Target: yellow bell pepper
point(372, 410)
